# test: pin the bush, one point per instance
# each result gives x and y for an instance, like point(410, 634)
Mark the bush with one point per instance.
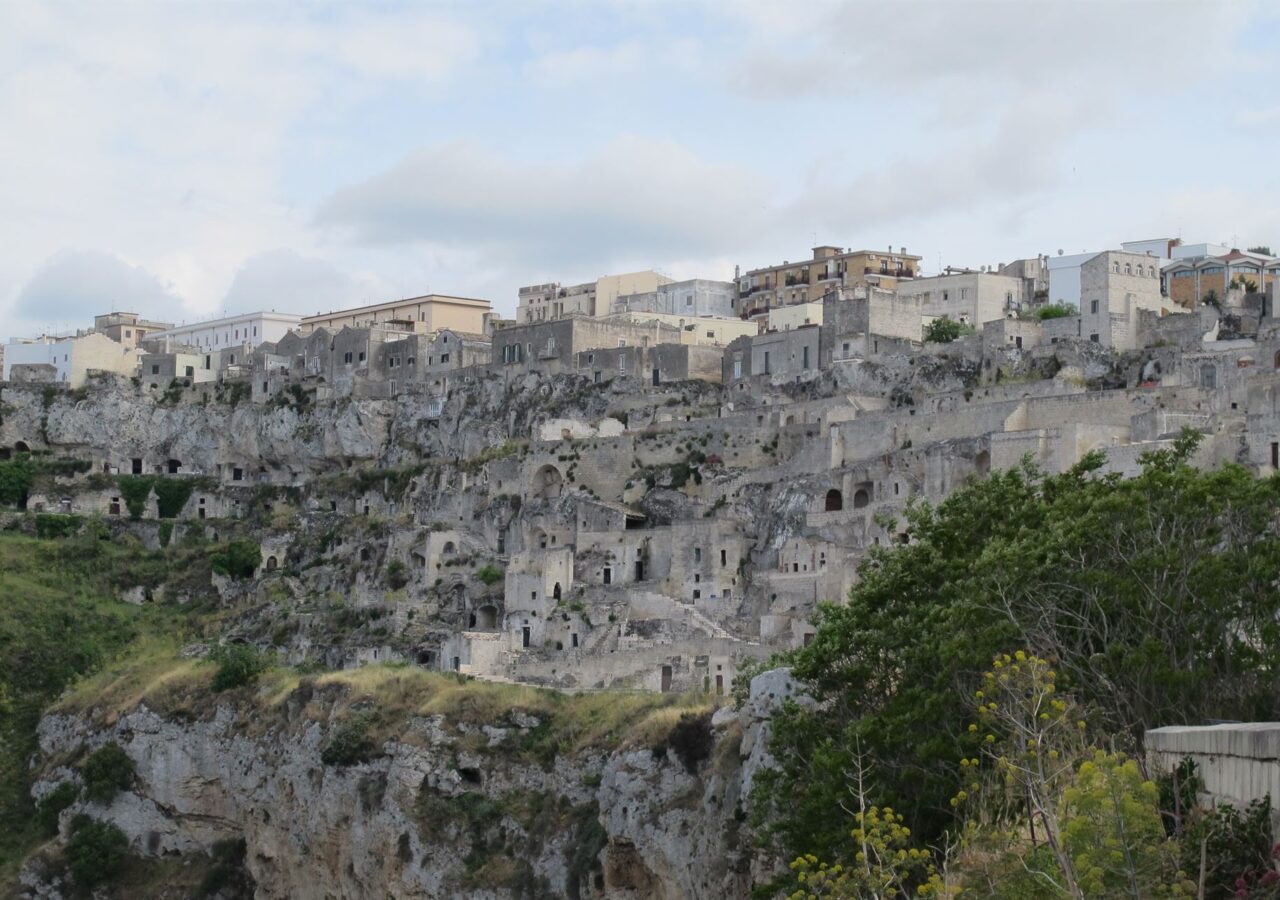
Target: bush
point(238, 665)
point(488, 574)
point(16, 476)
point(350, 743)
point(944, 331)
point(239, 559)
point(135, 489)
point(51, 525)
point(96, 850)
point(106, 772)
point(397, 577)
point(691, 740)
point(1056, 311)
point(53, 803)
point(172, 495)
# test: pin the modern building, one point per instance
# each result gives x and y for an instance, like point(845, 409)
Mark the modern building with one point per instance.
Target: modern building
point(431, 312)
point(247, 330)
point(545, 302)
point(68, 360)
point(694, 297)
point(127, 328)
point(788, 283)
point(1189, 280)
point(966, 296)
point(784, 318)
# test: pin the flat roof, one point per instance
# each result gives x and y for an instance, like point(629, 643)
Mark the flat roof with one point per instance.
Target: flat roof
point(392, 304)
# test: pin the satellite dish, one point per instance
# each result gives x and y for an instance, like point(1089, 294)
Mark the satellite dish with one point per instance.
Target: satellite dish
point(1059, 251)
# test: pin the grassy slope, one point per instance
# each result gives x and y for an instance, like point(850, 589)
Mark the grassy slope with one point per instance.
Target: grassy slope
point(66, 643)
point(59, 619)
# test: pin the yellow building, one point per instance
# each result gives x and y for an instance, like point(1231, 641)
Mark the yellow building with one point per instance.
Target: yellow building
point(428, 313)
point(788, 283)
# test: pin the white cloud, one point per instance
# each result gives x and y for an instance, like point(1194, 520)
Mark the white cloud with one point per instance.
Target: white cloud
point(635, 199)
point(285, 280)
point(74, 285)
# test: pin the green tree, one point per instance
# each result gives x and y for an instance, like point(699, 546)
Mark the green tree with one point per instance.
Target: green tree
point(944, 331)
point(1154, 595)
point(96, 851)
point(238, 665)
point(107, 771)
point(1056, 311)
point(239, 559)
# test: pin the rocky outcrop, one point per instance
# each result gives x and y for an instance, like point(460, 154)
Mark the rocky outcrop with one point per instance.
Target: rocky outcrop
point(445, 809)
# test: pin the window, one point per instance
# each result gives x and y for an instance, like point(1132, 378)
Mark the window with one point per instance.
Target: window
point(191, 371)
point(444, 357)
point(591, 358)
point(361, 356)
point(697, 554)
point(346, 357)
point(1093, 306)
point(697, 595)
point(688, 301)
point(964, 293)
point(1128, 269)
point(805, 363)
point(1094, 337)
point(155, 369)
point(412, 360)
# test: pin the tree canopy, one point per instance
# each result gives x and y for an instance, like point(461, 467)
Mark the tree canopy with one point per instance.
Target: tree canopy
point(1154, 596)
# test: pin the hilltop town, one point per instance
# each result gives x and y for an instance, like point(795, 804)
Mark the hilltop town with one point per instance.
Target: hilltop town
point(637, 482)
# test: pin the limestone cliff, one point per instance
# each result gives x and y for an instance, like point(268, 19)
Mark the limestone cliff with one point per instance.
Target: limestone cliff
point(524, 805)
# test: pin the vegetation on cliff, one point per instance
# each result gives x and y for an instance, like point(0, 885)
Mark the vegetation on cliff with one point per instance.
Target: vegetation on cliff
point(1154, 596)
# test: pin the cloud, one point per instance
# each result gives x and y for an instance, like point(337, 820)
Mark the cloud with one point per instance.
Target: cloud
point(287, 281)
point(72, 286)
point(633, 199)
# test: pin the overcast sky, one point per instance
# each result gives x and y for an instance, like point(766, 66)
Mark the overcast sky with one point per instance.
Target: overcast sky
point(186, 159)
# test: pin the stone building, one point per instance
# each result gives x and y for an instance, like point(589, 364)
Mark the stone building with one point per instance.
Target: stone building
point(553, 346)
point(787, 283)
point(972, 298)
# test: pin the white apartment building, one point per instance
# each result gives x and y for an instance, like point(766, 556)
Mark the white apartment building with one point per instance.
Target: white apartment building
point(246, 330)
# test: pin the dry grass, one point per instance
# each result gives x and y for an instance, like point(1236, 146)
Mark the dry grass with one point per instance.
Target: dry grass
point(572, 723)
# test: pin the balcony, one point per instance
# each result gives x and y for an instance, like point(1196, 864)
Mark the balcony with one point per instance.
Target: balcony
point(793, 280)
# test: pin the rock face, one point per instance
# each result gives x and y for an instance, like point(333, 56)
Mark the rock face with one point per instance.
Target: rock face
point(446, 809)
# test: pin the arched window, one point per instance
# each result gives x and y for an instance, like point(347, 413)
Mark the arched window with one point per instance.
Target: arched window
point(835, 502)
point(449, 548)
point(861, 498)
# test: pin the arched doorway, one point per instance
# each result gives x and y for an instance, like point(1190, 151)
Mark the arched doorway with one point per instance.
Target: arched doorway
point(555, 592)
point(835, 501)
point(861, 497)
point(272, 563)
point(547, 482)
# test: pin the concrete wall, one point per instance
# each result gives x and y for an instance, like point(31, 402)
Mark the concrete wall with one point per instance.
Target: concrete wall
point(1238, 762)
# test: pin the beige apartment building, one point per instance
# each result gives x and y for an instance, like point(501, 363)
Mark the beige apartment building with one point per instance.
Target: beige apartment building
point(545, 302)
point(127, 328)
point(428, 313)
point(788, 283)
point(966, 296)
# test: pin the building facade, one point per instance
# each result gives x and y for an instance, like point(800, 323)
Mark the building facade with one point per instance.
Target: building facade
point(969, 297)
point(127, 328)
point(431, 312)
point(788, 283)
point(69, 360)
point(694, 297)
point(1190, 280)
point(545, 302)
point(247, 330)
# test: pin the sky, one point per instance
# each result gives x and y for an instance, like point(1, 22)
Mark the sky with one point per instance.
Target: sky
point(188, 160)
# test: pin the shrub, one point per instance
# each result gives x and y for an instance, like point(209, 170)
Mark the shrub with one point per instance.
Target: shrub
point(53, 803)
point(1056, 311)
point(239, 559)
point(944, 331)
point(16, 476)
point(96, 850)
point(107, 771)
point(397, 576)
point(172, 495)
point(135, 489)
point(238, 665)
point(350, 743)
point(52, 525)
point(691, 740)
point(488, 574)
